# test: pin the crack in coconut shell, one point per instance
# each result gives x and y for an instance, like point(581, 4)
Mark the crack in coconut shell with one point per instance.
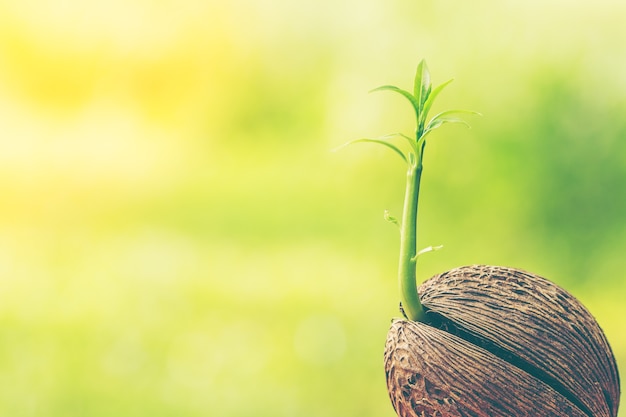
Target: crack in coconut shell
point(434, 373)
point(527, 326)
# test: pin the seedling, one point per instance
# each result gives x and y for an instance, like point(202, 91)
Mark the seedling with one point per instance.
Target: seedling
point(421, 100)
point(486, 341)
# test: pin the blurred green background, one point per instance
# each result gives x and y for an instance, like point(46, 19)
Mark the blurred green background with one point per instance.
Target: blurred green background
point(177, 239)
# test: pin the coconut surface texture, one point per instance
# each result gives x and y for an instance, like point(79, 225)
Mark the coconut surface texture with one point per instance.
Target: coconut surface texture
point(500, 342)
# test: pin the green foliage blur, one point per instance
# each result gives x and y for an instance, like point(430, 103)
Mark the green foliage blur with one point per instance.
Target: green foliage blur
point(177, 238)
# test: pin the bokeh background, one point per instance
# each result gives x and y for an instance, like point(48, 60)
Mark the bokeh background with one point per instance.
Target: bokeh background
point(177, 238)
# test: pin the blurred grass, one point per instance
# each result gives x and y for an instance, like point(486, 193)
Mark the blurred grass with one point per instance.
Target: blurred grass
point(176, 238)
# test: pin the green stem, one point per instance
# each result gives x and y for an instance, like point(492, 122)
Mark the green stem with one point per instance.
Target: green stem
point(408, 240)
point(421, 100)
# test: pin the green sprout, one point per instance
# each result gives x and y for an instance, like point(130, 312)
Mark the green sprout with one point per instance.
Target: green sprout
point(421, 100)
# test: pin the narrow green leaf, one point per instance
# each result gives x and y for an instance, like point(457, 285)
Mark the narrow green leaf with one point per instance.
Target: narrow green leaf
point(426, 250)
point(412, 160)
point(391, 219)
point(422, 85)
point(448, 117)
point(411, 141)
point(409, 96)
point(434, 124)
point(379, 141)
point(430, 100)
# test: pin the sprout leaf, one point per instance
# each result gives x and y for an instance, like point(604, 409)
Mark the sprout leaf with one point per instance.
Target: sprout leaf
point(379, 141)
point(414, 102)
point(422, 85)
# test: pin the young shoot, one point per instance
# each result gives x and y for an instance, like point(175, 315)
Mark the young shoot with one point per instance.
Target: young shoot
point(421, 100)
